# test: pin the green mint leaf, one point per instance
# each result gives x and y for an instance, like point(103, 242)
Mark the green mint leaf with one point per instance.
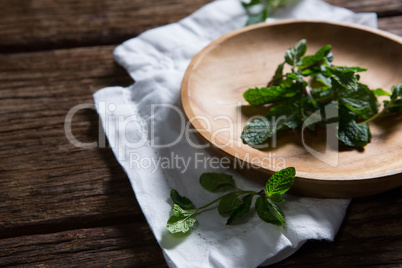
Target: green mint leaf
point(263, 211)
point(381, 92)
point(293, 76)
point(228, 203)
point(178, 211)
point(180, 223)
point(325, 81)
point(214, 181)
point(277, 198)
point(292, 116)
point(256, 18)
point(260, 130)
point(241, 210)
point(279, 71)
point(396, 91)
point(308, 109)
point(182, 201)
point(329, 57)
point(351, 133)
point(396, 107)
point(280, 182)
point(278, 212)
point(351, 69)
point(293, 55)
point(251, 3)
point(266, 7)
point(345, 78)
point(318, 57)
point(260, 96)
point(362, 102)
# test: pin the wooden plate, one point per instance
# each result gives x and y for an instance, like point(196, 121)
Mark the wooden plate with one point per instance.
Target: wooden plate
point(212, 99)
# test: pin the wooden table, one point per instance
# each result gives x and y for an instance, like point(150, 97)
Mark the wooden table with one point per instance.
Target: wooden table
point(66, 206)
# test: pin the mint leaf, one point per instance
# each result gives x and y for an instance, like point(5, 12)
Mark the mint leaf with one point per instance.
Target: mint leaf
point(351, 133)
point(262, 209)
point(259, 96)
point(396, 91)
point(293, 55)
point(257, 18)
point(280, 182)
point(180, 223)
point(251, 3)
point(214, 181)
point(362, 102)
point(325, 81)
point(178, 211)
point(346, 78)
point(281, 116)
point(354, 134)
point(293, 76)
point(266, 6)
point(350, 69)
point(228, 203)
point(308, 109)
point(258, 131)
point(317, 58)
point(396, 107)
point(381, 92)
point(279, 71)
point(277, 198)
point(182, 201)
point(278, 212)
point(241, 210)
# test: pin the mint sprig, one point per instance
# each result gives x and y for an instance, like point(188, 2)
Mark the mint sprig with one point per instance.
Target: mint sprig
point(312, 84)
point(259, 10)
point(235, 204)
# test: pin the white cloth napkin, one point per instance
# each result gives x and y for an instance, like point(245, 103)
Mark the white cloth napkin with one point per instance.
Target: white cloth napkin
point(138, 118)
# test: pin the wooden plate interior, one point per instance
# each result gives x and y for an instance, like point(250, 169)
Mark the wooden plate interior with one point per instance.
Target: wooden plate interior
point(217, 77)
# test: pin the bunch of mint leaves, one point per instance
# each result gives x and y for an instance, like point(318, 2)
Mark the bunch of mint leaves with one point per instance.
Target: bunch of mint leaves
point(230, 204)
point(294, 99)
point(259, 10)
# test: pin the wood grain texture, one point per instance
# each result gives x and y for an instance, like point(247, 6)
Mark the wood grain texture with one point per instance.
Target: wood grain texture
point(40, 181)
point(128, 245)
point(370, 236)
point(383, 8)
point(62, 206)
point(391, 24)
point(46, 24)
point(49, 24)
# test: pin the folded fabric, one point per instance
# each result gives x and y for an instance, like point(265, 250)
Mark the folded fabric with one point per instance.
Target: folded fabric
point(144, 124)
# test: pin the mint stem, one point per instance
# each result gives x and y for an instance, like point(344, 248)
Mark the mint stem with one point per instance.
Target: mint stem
point(239, 192)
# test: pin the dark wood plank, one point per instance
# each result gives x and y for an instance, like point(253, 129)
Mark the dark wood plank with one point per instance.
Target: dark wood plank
point(44, 178)
point(45, 24)
point(48, 24)
point(129, 245)
point(371, 235)
point(391, 24)
point(383, 8)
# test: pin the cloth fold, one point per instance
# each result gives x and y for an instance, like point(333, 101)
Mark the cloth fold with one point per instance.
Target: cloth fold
point(145, 126)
